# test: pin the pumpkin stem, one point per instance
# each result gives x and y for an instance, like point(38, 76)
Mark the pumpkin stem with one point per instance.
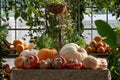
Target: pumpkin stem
point(80, 50)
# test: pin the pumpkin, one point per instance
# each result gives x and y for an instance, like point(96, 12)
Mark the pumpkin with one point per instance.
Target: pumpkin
point(17, 41)
point(91, 62)
point(101, 50)
point(73, 51)
point(28, 52)
point(90, 49)
point(101, 44)
point(93, 43)
point(19, 48)
point(98, 38)
point(18, 62)
point(46, 53)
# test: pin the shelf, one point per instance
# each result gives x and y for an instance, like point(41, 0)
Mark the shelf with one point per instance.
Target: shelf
point(12, 56)
point(102, 55)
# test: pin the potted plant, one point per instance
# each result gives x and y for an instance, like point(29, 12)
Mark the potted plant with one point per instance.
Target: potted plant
point(56, 7)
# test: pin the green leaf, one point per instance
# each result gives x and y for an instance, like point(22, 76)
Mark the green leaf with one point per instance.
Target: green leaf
point(17, 14)
point(35, 11)
point(24, 15)
point(105, 30)
point(29, 11)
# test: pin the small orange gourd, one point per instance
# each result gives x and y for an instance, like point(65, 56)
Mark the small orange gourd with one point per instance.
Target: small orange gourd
point(18, 61)
point(17, 41)
point(19, 48)
point(93, 43)
point(98, 38)
point(101, 50)
point(46, 53)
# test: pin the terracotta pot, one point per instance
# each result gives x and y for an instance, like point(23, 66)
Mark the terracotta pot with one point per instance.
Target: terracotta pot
point(56, 8)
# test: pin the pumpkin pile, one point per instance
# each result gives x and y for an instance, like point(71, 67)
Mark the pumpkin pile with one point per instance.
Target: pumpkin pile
point(97, 45)
point(19, 45)
point(71, 56)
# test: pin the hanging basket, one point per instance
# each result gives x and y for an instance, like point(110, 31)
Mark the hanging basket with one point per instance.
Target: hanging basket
point(56, 8)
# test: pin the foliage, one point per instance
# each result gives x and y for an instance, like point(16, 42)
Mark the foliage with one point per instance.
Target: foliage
point(107, 5)
point(38, 19)
point(73, 37)
point(44, 42)
point(118, 29)
point(3, 49)
point(54, 1)
point(114, 65)
point(105, 30)
point(3, 33)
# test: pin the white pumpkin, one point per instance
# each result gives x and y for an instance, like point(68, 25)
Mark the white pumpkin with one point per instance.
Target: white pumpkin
point(73, 51)
point(27, 52)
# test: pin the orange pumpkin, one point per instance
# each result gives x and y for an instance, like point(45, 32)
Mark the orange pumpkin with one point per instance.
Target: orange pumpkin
point(90, 49)
point(19, 48)
point(98, 38)
point(46, 53)
point(93, 43)
point(17, 41)
point(101, 49)
point(18, 61)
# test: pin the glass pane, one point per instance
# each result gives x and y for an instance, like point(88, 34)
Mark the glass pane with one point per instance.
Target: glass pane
point(99, 17)
point(11, 22)
point(87, 34)
point(2, 2)
point(95, 33)
point(112, 20)
point(9, 61)
point(21, 34)
point(20, 23)
point(11, 36)
point(87, 21)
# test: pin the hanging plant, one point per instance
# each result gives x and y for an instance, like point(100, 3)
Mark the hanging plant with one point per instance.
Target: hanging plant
point(56, 8)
